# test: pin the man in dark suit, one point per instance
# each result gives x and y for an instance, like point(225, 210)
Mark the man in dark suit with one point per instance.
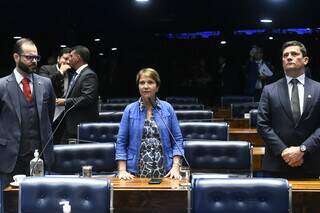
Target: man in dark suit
point(60, 73)
point(82, 93)
point(288, 119)
point(27, 104)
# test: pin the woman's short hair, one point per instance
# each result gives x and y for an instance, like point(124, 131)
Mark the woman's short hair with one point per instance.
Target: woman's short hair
point(152, 73)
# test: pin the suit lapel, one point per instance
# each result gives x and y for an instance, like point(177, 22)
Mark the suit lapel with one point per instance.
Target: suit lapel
point(309, 97)
point(38, 90)
point(12, 90)
point(284, 98)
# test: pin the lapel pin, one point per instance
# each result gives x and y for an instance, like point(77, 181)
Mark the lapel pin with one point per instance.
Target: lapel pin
point(309, 96)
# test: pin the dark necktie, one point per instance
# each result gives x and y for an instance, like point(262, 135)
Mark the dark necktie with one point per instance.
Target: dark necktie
point(26, 89)
point(295, 104)
point(73, 80)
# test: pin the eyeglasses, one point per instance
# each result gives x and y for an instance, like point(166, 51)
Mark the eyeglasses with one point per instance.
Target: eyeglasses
point(32, 57)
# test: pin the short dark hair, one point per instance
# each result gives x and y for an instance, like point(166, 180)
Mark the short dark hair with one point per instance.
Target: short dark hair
point(83, 52)
point(17, 48)
point(64, 51)
point(295, 43)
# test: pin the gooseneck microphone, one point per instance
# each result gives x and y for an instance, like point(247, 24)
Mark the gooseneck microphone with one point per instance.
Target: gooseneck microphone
point(52, 134)
point(165, 124)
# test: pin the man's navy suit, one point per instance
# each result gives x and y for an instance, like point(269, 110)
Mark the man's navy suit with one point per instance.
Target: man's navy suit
point(10, 119)
point(277, 127)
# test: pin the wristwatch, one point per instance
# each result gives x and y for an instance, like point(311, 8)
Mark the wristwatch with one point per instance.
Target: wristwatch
point(303, 148)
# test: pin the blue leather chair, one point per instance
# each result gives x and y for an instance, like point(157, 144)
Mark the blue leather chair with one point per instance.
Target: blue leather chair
point(182, 100)
point(239, 109)
point(250, 195)
point(194, 115)
point(69, 158)
point(113, 107)
point(43, 194)
point(98, 132)
point(216, 158)
point(188, 106)
point(227, 100)
point(110, 117)
point(253, 118)
point(205, 131)
point(122, 100)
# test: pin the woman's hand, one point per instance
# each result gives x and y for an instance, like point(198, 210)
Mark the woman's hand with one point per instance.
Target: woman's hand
point(174, 172)
point(124, 175)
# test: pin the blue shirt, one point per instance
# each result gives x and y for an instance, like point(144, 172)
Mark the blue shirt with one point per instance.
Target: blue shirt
point(130, 134)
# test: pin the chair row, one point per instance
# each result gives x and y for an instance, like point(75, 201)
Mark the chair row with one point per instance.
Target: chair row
point(232, 158)
point(184, 115)
point(121, 106)
point(107, 132)
point(43, 194)
point(171, 99)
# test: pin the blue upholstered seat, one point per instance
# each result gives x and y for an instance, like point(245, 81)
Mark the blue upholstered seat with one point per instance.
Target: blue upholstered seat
point(239, 109)
point(227, 100)
point(110, 117)
point(188, 106)
point(182, 100)
point(97, 132)
point(69, 158)
point(113, 106)
point(233, 158)
point(194, 115)
point(250, 195)
point(204, 130)
point(122, 100)
point(43, 194)
point(253, 118)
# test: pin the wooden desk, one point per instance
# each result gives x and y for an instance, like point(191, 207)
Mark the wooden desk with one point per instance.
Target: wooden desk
point(133, 196)
point(246, 134)
point(305, 195)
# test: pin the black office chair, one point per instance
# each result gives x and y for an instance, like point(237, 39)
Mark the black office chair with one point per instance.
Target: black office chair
point(239, 109)
point(227, 100)
point(204, 131)
point(113, 106)
point(182, 100)
point(69, 158)
point(43, 194)
point(219, 158)
point(249, 195)
point(194, 115)
point(122, 100)
point(97, 132)
point(110, 117)
point(253, 118)
point(188, 106)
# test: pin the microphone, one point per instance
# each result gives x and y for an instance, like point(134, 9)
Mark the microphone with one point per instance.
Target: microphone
point(161, 117)
point(75, 103)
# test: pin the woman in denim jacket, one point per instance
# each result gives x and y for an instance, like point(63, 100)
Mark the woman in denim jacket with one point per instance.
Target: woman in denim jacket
point(144, 146)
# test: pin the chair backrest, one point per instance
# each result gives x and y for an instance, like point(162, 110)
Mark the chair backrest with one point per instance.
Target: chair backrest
point(239, 109)
point(182, 100)
point(227, 100)
point(249, 195)
point(224, 157)
point(69, 158)
point(113, 106)
point(110, 117)
point(188, 106)
point(253, 118)
point(97, 132)
point(122, 100)
point(194, 115)
point(204, 131)
point(43, 194)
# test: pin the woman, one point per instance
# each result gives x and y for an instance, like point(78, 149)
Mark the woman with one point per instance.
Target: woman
point(145, 147)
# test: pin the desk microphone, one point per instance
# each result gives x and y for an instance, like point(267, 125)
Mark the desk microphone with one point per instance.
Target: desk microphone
point(161, 117)
point(75, 103)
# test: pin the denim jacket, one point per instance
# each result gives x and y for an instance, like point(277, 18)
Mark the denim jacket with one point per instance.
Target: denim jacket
point(130, 134)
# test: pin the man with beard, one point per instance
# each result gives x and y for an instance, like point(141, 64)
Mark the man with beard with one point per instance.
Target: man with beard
point(59, 73)
point(27, 104)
